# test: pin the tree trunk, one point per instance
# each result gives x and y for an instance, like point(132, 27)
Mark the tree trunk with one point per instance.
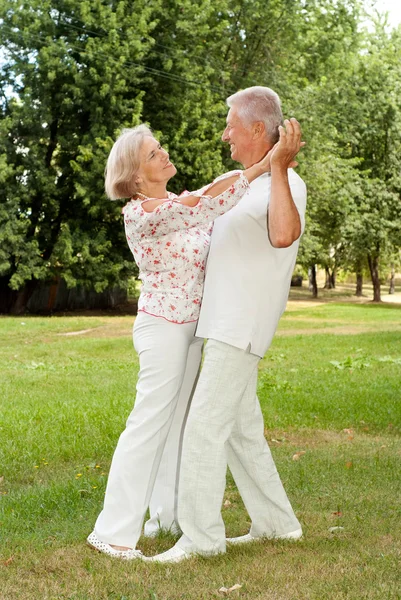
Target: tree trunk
point(359, 283)
point(392, 281)
point(14, 302)
point(22, 297)
point(330, 282)
point(373, 262)
point(312, 280)
point(53, 293)
point(5, 295)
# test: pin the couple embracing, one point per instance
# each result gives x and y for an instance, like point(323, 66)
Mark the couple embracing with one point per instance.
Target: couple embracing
point(189, 423)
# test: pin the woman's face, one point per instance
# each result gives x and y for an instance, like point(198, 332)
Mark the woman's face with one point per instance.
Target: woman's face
point(154, 163)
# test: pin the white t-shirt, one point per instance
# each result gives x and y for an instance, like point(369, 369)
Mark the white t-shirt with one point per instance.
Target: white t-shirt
point(247, 279)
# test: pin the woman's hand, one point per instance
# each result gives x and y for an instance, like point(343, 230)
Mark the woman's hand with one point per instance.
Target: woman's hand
point(284, 152)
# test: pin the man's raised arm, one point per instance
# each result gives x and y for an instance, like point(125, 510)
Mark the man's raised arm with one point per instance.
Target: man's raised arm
point(283, 222)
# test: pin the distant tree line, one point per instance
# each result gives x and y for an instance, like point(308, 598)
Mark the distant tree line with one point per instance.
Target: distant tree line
point(74, 72)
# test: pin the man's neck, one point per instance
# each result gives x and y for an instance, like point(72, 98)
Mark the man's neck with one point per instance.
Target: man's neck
point(256, 155)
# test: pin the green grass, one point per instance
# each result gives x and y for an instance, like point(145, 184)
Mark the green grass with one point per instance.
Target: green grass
point(330, 389)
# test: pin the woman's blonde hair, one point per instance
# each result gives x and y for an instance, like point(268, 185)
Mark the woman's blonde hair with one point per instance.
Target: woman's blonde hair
point(123, 163)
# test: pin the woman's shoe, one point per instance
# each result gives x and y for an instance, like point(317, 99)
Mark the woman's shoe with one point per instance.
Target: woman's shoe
point(94, 542)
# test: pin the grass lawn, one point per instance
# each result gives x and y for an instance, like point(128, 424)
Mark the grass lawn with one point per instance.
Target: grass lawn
point(330, 389)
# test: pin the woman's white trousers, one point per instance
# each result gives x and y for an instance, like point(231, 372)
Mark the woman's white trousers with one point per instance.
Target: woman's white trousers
point(146, 459)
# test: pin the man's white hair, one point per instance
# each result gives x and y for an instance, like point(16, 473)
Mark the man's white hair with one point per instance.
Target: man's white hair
point(258, 103)
point(123, 163)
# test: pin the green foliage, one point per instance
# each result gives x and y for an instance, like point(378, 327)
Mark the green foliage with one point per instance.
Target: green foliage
point(75, 72)
point(372, 227)
point(72, 94)
point(352, 362)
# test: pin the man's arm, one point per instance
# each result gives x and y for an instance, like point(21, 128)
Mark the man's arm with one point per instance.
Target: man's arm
point(283, 222)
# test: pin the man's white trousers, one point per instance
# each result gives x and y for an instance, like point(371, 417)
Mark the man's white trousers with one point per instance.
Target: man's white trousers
point(145, 464)
point(225, 426)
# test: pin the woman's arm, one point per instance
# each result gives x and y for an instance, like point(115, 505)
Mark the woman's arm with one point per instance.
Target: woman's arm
point(156, 217)
point(174, 215)
point(216, 188)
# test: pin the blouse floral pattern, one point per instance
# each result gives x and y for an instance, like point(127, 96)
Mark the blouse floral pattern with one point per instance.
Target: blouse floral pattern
point(170, 247)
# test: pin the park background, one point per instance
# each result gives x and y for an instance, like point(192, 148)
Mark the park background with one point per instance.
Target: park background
point(73, 73)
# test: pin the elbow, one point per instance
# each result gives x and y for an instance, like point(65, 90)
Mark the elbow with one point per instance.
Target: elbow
point(286, 239)
point(281, 243)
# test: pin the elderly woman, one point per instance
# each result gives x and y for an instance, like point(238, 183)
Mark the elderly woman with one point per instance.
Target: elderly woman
point(169, 237)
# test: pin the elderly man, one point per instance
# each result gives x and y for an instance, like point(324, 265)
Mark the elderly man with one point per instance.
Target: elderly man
point(251, 260)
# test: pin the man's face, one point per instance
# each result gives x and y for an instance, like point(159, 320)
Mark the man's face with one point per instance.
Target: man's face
point(238, 136)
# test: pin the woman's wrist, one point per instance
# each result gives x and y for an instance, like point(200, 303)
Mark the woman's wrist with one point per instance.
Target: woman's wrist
point(253, 172)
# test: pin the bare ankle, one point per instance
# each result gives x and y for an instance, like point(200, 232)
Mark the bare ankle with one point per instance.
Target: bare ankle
point(122, 548)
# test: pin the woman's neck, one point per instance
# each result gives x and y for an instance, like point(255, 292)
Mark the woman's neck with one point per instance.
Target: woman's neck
point(155, 190)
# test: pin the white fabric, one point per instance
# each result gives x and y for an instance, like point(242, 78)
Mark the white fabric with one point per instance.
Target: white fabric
point(247, 279)
point(164, 500)
point(169, 358)
point(225, 425)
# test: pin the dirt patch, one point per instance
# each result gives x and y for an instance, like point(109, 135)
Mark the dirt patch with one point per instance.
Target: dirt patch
point(113, 330)
point(344, 330)
point(301, 319)
point(81, 332)
point(112, 327)
point(314, 438)
point(297, 304)
point(306, 437)
point(344, 292)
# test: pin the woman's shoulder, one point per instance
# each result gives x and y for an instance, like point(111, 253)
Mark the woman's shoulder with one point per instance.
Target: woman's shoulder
point(132, 207)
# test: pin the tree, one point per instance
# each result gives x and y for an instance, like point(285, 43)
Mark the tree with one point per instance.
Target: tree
point(72, 89)
point(372, 135)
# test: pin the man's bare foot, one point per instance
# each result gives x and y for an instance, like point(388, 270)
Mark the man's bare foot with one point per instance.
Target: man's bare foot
point(123, 548)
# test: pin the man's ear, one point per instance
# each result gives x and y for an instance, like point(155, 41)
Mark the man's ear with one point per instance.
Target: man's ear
point(258, 130)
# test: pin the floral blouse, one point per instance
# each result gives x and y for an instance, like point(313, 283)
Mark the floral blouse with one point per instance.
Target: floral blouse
point(170, 246)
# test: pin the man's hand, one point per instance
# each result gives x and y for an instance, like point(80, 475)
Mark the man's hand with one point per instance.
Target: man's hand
point(284, 152)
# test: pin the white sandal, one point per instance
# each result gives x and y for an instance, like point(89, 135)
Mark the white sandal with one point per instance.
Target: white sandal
point(94, 542)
